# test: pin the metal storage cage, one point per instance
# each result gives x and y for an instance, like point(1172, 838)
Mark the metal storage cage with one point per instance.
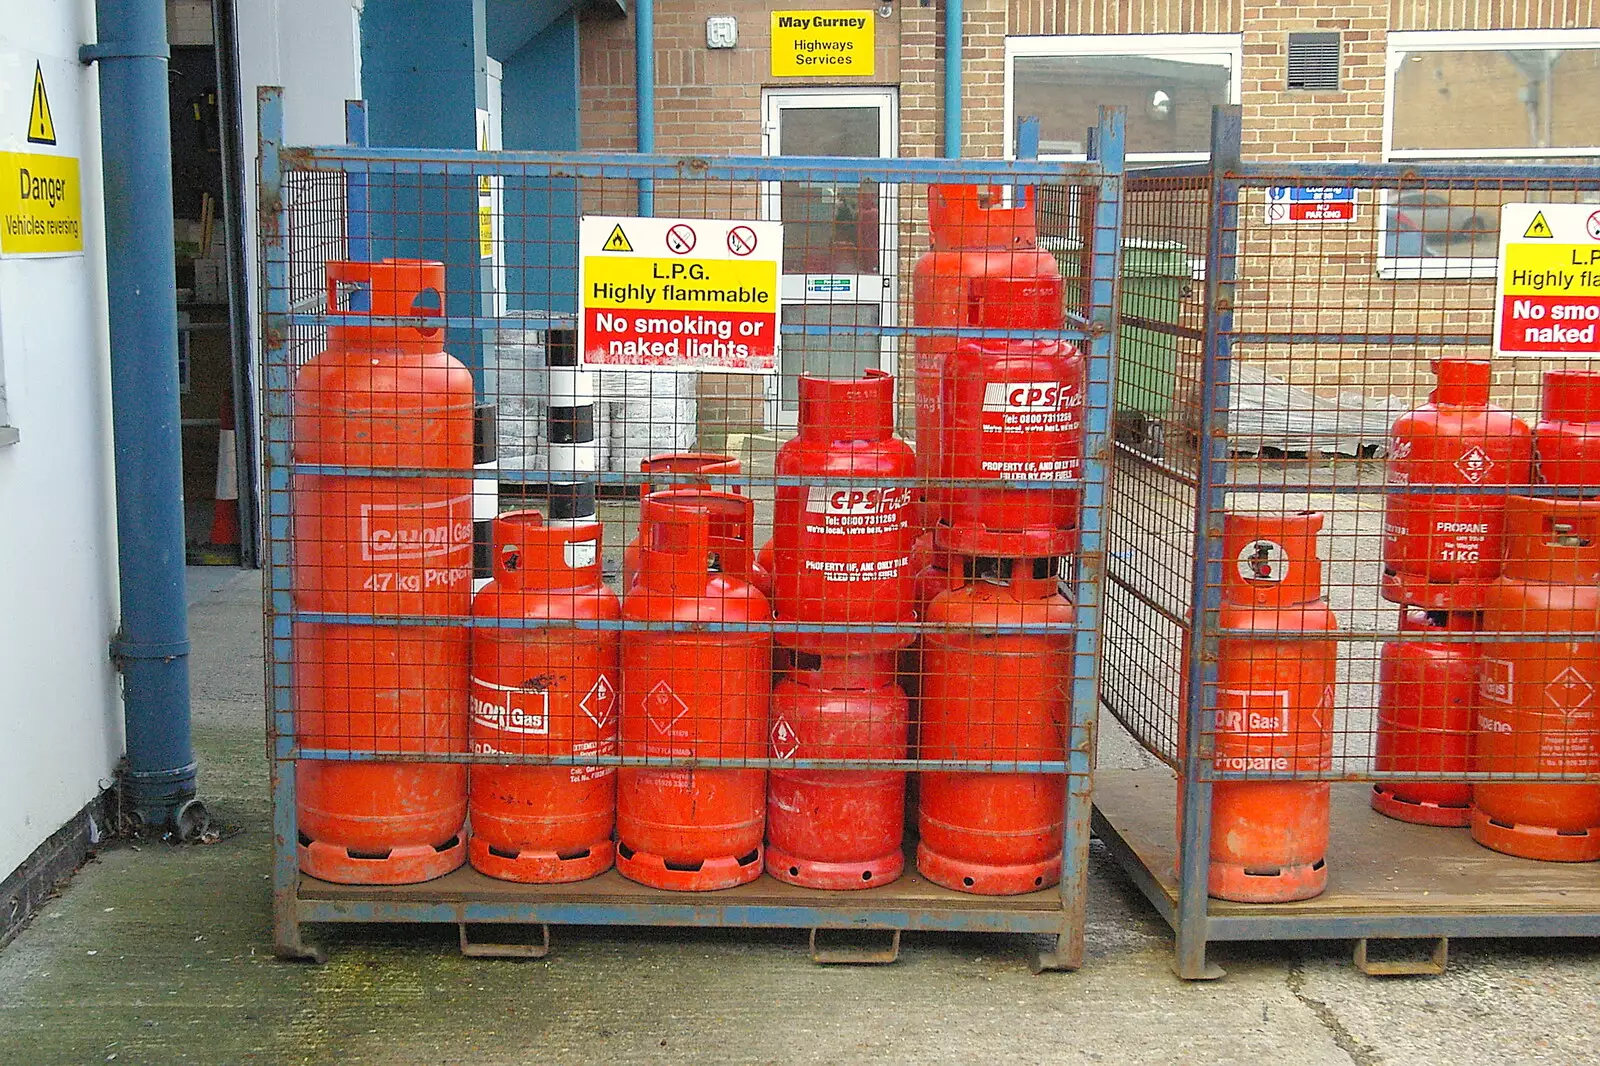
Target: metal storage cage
point(1302, 344)
point(520, 212)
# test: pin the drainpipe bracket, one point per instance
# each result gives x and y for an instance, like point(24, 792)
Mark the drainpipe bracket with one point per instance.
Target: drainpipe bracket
point(123, 650)
point(90, 53)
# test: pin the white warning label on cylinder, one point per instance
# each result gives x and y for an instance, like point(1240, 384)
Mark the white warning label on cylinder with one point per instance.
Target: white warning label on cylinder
point(1263, 560)
point(785, 741)
point(664, 708)
point(579, 553)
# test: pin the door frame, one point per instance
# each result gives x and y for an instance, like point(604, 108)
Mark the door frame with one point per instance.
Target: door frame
point(793, 288)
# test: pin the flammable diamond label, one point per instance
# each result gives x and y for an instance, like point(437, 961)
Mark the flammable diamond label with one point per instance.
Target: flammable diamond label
point(1570, 690)
point(1474, 464)
point(663, 707)
point(599, 701)
point(785, 741)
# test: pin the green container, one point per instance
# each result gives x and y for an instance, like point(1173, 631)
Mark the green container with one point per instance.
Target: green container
point(1155, 275)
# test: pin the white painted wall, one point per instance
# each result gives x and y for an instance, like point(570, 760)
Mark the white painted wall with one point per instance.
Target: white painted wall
point(312, 48)
point(60, 710)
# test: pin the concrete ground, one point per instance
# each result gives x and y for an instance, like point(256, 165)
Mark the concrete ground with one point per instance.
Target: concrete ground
point(162, 955)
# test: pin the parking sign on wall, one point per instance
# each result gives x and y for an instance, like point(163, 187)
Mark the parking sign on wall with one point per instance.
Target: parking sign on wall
point(1289, 204)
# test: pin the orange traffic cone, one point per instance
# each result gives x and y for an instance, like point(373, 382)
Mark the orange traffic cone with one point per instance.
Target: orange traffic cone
point(225, 513)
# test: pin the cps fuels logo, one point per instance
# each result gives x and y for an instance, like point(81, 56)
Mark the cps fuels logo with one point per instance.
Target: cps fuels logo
point(838, 499)
point(1027, 396)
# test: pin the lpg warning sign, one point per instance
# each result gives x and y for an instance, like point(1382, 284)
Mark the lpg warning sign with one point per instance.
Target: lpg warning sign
point(678, 293)
point(1548, 301)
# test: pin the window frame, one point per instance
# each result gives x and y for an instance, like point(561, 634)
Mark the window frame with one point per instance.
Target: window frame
point(1402, 43)
point(1158, 45)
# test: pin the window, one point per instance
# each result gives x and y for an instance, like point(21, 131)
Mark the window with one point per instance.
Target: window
point(1168, 83)
point(1524, 95)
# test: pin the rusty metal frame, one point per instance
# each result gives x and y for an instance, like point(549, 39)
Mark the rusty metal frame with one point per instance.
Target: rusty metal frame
point(1057, 914)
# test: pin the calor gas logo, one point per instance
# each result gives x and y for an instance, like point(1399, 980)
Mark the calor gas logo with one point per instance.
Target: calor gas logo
point(1261, 713)
point(510, 709)
point(842, 499)
point(410, 531)
point(1028, 396)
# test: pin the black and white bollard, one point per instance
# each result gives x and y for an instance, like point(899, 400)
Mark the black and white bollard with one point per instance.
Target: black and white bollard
point(485, 493)
point(571, 435)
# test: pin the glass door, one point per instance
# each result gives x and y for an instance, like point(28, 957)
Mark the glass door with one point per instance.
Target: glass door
point(840, 241)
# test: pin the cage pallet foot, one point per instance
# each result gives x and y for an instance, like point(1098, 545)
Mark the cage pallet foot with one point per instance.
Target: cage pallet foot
point(484, 950)
point(1053, 959)
point(290, 946)
point(1206, 971)
point(1432, 966)
point(857, 954)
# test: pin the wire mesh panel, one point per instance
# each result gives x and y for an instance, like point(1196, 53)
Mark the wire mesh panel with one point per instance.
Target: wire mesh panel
point(787, 585)
point(1150, 522)
point(1375, 541)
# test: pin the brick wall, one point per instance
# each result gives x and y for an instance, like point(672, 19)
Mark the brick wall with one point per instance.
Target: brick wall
point(707, 100)
point(1289, 124)
point(1492, 14)
point(1124, 16)
point(1301, 278)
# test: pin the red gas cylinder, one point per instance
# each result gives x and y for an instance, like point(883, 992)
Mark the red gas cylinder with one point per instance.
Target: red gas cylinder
point(762, 570)
point(993, 696)
point(688, 694)
point(985, 270)
point(661, 467)
point(837, 828)
point(936, 571)
point(546, 690)
point(1566, 442)
point(384, 397)
point(1440, 551)
point(1539, 701)
point(1275, 706)
point(932, 566)
point(1426, 692)
point(1012, 410)
point(842, 544)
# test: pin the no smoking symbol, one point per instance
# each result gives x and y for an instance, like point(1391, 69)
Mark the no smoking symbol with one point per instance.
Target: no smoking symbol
point(1593, 226)
point(680, 239)
point(741, 240)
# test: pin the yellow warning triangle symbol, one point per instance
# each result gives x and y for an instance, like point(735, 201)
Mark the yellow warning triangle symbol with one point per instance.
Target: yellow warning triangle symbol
point(1538, 227)
point(618, 241)
point(41, 127)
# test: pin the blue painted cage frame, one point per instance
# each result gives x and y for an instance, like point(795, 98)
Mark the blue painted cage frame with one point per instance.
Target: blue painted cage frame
point(1256, 287)
point(330, 186)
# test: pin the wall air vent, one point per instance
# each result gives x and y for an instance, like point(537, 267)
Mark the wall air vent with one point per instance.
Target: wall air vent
point(1314, 62)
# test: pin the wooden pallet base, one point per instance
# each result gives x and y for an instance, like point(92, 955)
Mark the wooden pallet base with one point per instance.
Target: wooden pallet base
point(911, 902)
point(1386, 878)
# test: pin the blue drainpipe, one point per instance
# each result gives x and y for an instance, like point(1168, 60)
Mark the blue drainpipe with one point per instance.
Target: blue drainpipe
point(152, 645)
point(644, 47)
point(952, 79)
